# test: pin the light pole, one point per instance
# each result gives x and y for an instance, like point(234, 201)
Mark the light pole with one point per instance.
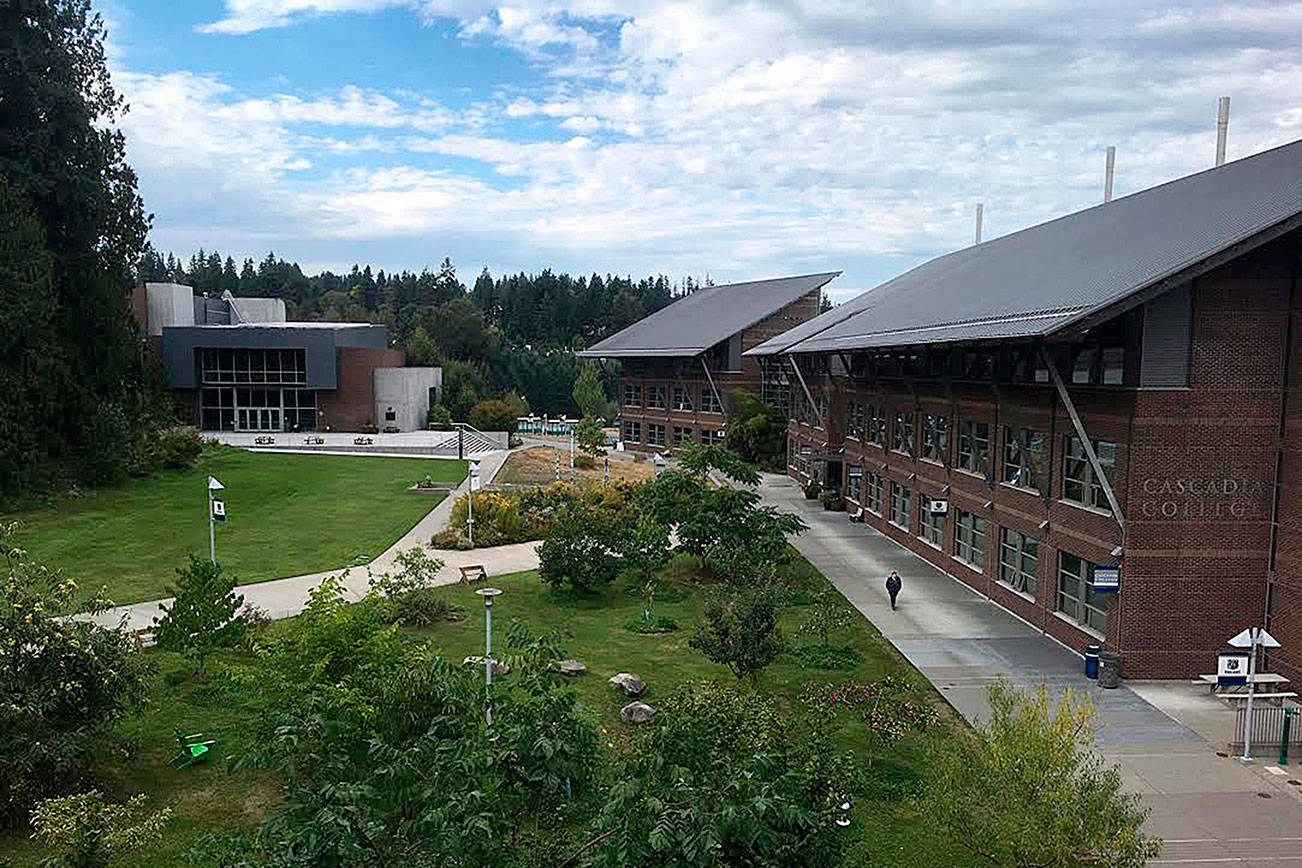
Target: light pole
point(216, 512)
point(488, 594)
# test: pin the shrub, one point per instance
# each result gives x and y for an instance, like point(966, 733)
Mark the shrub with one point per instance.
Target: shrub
point(648, 624)
point(494, 415)
point(756, 431)
point(584, 462)
point(65, 683)
point(439, 417)
point(424, 607)
point(813, 489)
point(581, 550)
point(700, 459)
point(177, 448)
point(825, 656)
point(892, 708)
point(204, 615)
point(511, 517)
point(89, 832)
point(740, 630)
point(829, 614)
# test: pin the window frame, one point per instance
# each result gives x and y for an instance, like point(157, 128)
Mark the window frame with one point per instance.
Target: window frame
point(900, 506)
point(1021, 458)
point(1021, 581)
point(967, 453)
point(978, 533)
point(1085, 603)
point(935, 437)
point(872, 493)
point(656, 396)
point(1106, 452)
point(651, 431)
point(931, 525)
point(635, 389)
point(904, 432)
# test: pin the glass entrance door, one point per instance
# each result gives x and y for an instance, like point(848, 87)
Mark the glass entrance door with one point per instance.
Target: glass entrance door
point(258, 419)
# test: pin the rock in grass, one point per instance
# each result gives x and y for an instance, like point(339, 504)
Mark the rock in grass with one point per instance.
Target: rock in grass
point(637, 712)
point(629, 683)
point(571, 667)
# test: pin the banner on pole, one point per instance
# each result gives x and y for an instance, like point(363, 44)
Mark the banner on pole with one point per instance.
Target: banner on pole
point(219, 510)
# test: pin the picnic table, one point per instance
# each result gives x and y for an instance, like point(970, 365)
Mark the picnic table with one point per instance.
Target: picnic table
point(1260, 679)
point(472, 573)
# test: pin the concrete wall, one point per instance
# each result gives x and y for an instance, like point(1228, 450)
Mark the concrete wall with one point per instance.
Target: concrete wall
point(166, 305)
point(258, 309)
point(405, 392)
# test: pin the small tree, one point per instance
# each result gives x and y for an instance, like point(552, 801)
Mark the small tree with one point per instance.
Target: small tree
point(1028, 790)
point(89, 832)
point(204, 615)
point(756, 431)
point(589, 393)
point(582, 549)
point(645, 551)
point(827, 615)
point(891, 708)
point(740, 630)
point(589, 436)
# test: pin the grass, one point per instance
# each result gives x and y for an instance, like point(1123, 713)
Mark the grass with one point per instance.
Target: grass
point(537, 466)
point(288, 515)
point(208, 798)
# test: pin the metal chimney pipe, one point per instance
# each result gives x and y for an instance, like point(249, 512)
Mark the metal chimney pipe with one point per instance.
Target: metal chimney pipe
point(1107, 173)
point(1222, 128)
point(980, 208)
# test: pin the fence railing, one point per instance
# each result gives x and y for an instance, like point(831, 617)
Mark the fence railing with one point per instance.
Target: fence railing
point(1267, 726)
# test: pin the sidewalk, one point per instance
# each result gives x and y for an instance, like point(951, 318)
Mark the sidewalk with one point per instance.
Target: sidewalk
point(284, 598)
point(1210, 810)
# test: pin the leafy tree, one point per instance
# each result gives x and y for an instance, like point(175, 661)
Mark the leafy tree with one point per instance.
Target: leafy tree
point(457, 329)
point(701, 458)
point(646, 551)
point(729, 528)
point(581, 550)
point(464, 385)
point(65, 682)
point(204, 615)
point(756, 431)
point(421, 351)
point(891, 708)
point(589, 394)
point(728, 778)
point(1027, 789)
point(827, 615)
point(494, 415)
point(740, 630)
point(589, 437)
point(90, 832)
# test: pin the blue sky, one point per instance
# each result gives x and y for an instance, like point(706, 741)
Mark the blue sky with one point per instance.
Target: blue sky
point(739, 140)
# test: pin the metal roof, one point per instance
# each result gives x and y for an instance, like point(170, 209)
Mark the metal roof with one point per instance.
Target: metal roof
point(1039, 280)
point(696, 322)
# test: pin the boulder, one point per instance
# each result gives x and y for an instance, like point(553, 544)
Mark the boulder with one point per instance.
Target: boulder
point(637, 712)
point(499, 667)
point(571, 667)
point(629, 683)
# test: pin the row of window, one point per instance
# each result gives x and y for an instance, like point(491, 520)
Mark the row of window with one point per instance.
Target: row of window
point(1025, 450)
point(1100, 363)
point(252, 365)
point(1018, 562)
point(684, 397)
point(257, 408)
point(655, 434)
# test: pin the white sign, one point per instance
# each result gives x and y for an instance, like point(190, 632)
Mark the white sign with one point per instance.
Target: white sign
point(1264, 639)
point(219, 510)
point(1232, 669)
point(938, 507)
point(474, 477)
point(214, 485)
point(1107, 579)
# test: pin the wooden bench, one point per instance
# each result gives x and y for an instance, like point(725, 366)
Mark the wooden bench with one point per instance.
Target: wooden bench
point(472, 573)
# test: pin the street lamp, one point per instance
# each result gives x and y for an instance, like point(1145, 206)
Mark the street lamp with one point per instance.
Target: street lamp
point(488, 594)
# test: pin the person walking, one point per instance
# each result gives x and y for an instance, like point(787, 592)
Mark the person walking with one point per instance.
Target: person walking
point(893, 585)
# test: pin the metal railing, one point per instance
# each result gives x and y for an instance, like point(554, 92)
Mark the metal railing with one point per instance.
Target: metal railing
point(1267, 727)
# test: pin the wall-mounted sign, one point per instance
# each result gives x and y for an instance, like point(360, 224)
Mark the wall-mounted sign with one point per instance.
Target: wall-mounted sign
point(219, 510)
point(1107, 580)
point(1232, 668)
point(938, 507)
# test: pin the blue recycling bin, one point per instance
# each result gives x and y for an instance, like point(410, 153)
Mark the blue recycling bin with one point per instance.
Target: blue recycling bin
point(1091, 655)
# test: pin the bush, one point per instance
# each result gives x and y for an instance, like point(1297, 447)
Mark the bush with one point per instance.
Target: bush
point(581, 550)
point(64, 683)
point(644, 624)
point(813, 489)
point(740, 630)
point(176, 448)
point(825, 656)
point(494, 415)
point(204, 614)
point(584, 462)
point(424, 607)
point(439, 417)
point(89, 832)
point(523, 516)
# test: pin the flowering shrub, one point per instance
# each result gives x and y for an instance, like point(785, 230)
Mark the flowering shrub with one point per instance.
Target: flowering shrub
point(503, 517)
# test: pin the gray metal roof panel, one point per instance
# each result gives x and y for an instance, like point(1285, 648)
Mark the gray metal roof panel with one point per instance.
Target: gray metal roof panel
point(696, 322)
point(1082, 262)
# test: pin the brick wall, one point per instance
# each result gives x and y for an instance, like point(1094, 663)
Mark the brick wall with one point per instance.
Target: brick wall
point(351, 405)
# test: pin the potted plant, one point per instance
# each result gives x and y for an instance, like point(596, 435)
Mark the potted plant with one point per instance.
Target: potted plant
point(831, 499)
point(813, 489)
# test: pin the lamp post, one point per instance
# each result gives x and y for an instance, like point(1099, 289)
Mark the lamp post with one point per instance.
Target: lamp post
point(216, 512)
point(488, 594)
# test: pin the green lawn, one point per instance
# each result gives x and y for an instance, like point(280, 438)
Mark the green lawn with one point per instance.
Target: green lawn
point(288, 515)
point(211, 798)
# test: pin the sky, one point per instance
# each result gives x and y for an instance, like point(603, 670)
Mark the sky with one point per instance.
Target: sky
point(731, 140)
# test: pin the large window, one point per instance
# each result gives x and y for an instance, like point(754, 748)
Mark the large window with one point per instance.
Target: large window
point(872, 494)
point(876, 432)
point(683, 398)
point(1019, 556)
point(257, 408)
point(854, 419)
point(935, 437)
point(854, 481)
point(902, 437)
point(974, 446)
point(632, 394)
point(253, 365)
point(712, 436)
point(970, 540)
point(1076, 597)
point(931, 525)
point(655, 397)
point(899, 505)
point(1025, 458)
point(632, 431)
point(820, 409)
point(1080, 484)
point(683, 435)
point(655, 433)
point(710, 400)
point(799, 456)
point(1099, 365)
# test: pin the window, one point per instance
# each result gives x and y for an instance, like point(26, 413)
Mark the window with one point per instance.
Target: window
point(820, 409)
point(799, 459)
point(1099, 365)
point(899, 505)
point(1079, 484)
point(877, 425)
point(970, 539)
point(872, 494)
point(683, 398)
point(854, 481)
point(902, 441)
point(854, 419)
point(655, 397)
point(632, 431)
point(973, 446)
point(1024, 457)
point(253, 365)
point(1019, 556)
point(712, 436)
point(930, 524)
point(683, 435)
point(1076, 597)
point(710, 400)
point(632, 394)
point(655, 433)
point(935, 437)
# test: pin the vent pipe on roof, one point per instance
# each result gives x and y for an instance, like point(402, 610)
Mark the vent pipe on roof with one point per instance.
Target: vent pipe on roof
point(980, 208)
point(1107, 173)
point(1222, 128)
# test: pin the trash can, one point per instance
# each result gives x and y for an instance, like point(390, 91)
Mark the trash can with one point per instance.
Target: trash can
point(1109, 669)
point(1091, 655)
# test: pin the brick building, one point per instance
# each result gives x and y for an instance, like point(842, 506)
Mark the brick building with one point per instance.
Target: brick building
point(679, 365)
point(1114, 392)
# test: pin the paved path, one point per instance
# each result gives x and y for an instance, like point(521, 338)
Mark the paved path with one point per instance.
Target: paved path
point(1207, 808)
point(283, 598)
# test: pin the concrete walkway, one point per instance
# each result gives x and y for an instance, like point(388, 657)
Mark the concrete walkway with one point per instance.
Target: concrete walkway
point(1210, 810)
point(284, 598)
